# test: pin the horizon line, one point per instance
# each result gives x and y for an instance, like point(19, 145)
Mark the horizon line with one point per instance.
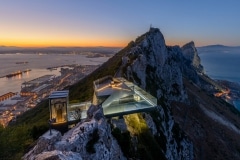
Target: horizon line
point(58, 46)
point(63, 46)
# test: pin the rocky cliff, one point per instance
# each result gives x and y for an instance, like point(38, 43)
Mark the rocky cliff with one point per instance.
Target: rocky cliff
point(190, 53)
point(155, 67)
point(175, 130)
point(158, 69)
point(175, 76)
point(88, 140)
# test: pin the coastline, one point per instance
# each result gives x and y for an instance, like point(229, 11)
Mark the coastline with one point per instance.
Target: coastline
point(221, 66)
point(236, 104)
point(39, 65)
point(36, 89)
point(233, 96)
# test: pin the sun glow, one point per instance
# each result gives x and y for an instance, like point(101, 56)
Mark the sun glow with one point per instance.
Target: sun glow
point(62, 43)
point(50, 37)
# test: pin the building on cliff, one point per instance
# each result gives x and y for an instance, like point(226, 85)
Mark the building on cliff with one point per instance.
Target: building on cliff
point(116, 96)
point(63, 114)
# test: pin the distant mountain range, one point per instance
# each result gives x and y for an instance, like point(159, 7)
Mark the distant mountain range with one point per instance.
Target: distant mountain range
point(100, 49)
point(218, 47)
point(8, 48)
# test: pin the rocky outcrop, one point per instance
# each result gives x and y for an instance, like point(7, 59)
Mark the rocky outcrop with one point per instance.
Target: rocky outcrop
point(88, 140)
point(45, 144)
point(155, 67)
point(150, 123)
point(177, 145)
point(191, 63)
point(190, 53)
point(159, 69)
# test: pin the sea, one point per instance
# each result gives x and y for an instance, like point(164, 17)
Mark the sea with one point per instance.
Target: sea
point(37, 64)
point(222, 64)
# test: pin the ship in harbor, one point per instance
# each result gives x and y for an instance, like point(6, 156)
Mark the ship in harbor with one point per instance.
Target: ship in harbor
point(14, 74)
point(52, 68)
point(25, 62)
point(17, 73)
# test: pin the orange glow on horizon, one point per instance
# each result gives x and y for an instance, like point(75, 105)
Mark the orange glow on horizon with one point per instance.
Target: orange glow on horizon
point(61, 43)
point(90, 41)
point(96, 43)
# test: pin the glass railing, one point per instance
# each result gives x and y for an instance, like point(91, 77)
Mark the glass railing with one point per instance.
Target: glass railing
point(117, 107)
point(72, 108)
point(141, 92)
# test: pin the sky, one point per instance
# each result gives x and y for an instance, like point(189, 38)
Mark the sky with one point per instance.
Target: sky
point(28, 23)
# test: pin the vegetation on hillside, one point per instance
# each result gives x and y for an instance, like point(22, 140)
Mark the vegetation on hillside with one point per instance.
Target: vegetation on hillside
point(20, 136)
point(146, 146)
point(83, 90)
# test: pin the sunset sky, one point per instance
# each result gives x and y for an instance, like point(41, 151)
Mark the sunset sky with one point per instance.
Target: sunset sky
point(115, 23)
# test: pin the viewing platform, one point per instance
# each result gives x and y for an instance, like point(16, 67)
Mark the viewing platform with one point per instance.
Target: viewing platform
point(120, 97)
point(116, 96)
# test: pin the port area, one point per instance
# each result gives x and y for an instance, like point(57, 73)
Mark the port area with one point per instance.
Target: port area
point(34, 91)
point(11, 108)
point(226, 90)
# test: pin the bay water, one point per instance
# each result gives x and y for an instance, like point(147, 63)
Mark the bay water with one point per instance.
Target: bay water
point(10, 63)
point(222, 64)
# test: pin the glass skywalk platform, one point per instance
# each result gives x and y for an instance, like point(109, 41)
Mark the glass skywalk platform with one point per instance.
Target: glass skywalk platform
point(117, 96)
point(120, 97)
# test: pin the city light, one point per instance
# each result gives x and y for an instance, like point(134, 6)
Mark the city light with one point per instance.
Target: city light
point(35, 90)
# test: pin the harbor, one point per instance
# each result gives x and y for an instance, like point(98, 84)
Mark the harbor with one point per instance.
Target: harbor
point(37, 89)
point(38, 77)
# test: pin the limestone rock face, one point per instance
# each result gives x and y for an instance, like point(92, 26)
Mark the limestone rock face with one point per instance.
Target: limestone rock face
point(150, 123)
point(190, 53)
point(159, 70)
point(91, 139)
point(155, 67)
point(45, 143)
point(192, 63)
